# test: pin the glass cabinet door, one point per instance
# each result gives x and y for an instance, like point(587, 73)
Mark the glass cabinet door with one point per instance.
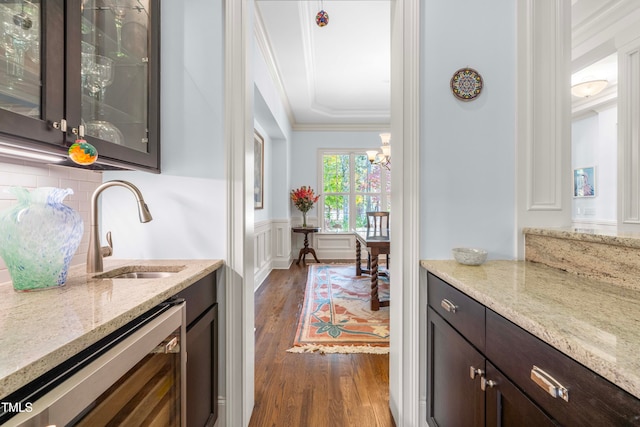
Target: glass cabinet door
point(115, 72)
point(31, 95)
point(21, 76)
point(73, 65)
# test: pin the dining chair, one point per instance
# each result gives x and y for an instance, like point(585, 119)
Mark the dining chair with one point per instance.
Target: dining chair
point(377, 222)
point(377, 225)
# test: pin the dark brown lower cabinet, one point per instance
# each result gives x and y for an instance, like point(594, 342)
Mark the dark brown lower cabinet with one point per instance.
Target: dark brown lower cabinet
point(201, 372)
point(202, 352)
point(454, 398)
point(466, 390)
point(506, 405)
point(592, 400)
point(504, 376)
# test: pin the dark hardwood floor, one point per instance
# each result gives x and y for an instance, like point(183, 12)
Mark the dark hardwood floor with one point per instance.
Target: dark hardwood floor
point(310, 389)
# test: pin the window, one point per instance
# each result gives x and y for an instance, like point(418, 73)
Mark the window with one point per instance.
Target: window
point(351, 187)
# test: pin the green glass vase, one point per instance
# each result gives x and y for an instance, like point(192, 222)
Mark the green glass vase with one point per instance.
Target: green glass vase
point(38, 237)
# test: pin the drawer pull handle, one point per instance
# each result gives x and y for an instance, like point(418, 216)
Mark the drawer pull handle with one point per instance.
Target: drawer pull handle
point(549, 384)
point(449, 306)
point(475, 371)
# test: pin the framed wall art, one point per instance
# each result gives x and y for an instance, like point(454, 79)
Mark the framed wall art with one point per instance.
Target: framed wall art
point(258, 171)
point(584, 182)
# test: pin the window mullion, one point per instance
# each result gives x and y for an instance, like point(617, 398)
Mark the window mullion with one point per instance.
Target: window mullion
point(352, 192)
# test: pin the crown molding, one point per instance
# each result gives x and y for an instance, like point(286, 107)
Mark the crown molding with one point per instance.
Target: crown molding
point(264, 44)
point(601, 27)
point(342, 127)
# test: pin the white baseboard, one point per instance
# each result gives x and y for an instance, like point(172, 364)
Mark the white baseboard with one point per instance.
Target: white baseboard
point(261, 274)
point(222, 413)
point(423, 413)
point(281, 263)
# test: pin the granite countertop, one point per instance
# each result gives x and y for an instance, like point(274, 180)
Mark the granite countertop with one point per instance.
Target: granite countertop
point(594, 322)
point(595, 235)
point(39, 330)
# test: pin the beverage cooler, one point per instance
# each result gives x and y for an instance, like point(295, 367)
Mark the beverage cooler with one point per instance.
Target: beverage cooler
point(134, 376)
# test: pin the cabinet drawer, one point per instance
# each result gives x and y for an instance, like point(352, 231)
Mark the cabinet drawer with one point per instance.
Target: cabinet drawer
point(592, 400)
point(462, 312)
point(199, 296)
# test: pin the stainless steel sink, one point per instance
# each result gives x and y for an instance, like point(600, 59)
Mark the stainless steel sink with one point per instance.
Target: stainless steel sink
point(144, 275)
point(141, 272)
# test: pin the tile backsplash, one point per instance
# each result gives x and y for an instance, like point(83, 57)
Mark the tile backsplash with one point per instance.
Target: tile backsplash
point(22, 173)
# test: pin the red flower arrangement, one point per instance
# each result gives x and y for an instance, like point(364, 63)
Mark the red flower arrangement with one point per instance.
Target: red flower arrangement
point(304, 199)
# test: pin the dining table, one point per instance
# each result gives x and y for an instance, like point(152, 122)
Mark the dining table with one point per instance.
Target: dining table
point(376, 243)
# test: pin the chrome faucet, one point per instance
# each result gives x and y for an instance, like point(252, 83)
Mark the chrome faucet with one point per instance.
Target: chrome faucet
point(94, 255)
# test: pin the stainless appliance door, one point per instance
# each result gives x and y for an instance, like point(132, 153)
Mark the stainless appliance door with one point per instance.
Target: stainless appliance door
point(73, 401)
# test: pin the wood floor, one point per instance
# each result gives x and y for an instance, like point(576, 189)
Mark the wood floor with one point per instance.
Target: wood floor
point(310, 390)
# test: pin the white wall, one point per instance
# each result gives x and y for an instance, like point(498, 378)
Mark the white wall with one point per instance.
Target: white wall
point(188, 199)
point(594, 143)
point(468, 148)
point(272, 121)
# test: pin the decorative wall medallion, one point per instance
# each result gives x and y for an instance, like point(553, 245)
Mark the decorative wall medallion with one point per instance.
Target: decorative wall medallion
point(466, 84)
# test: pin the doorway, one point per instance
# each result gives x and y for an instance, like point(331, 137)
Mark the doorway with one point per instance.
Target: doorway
point(405, 199)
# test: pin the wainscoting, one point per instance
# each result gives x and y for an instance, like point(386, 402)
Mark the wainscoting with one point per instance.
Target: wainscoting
point(276, 247)
point(272, 247)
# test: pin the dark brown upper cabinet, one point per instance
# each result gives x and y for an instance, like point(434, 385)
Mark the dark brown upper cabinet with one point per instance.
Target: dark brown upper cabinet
point(82, 67)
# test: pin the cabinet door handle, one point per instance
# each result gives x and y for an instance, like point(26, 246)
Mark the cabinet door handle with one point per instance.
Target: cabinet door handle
point(449, 306)
point(475, 371)
point(485, 383)
point(549, 384)
point(61, 125)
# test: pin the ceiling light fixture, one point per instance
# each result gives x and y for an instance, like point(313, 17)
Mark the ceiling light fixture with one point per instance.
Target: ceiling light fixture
point(384, 158)
point(589, 88)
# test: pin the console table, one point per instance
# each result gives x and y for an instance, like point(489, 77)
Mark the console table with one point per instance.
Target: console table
point(306, 249)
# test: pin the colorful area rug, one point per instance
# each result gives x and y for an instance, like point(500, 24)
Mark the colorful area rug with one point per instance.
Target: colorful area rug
point(336, 314)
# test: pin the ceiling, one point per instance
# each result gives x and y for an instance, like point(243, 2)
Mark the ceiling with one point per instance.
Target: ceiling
point(334, 76)
point(338, 76)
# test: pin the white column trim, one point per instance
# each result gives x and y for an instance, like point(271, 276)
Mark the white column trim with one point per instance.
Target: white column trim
point(543, 115)
point(629, 136)
point(238, 121)
point(404, 361)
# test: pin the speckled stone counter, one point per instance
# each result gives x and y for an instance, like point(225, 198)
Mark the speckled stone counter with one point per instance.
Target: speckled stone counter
point(39, 330)
point(611, 256)
point(594, 322)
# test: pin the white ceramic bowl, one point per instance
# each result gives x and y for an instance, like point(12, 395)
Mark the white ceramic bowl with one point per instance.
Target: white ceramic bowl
point(469, 256)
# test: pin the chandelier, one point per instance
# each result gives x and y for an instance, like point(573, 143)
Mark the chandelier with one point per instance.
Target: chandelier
point(384, 158)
